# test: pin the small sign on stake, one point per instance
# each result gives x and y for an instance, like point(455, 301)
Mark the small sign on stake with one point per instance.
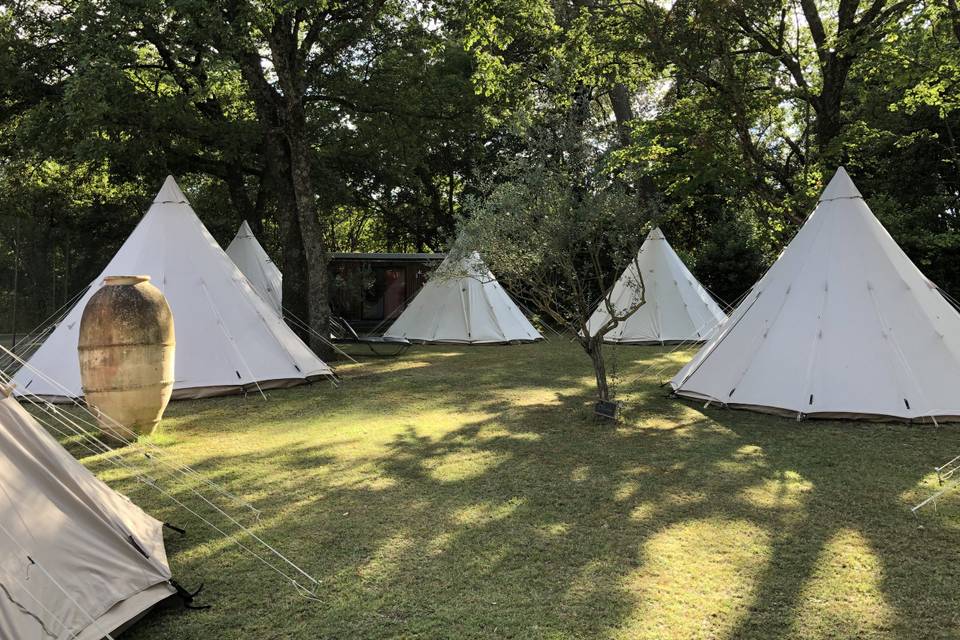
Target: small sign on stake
point(609, 409)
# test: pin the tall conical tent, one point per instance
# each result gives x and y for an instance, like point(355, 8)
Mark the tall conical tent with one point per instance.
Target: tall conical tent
point(470, 307)
point(842, 325)
point(77, 560)
point(676, 309)
point(228, 338)
point(254, 263)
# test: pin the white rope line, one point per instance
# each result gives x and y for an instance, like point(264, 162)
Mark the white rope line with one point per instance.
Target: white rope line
point(528, 311)
point(953, 486)
point(155, 485)
point(46, 326)
point(684, 344)
point(59, 313)
point(246, 283)
point(79, 431)
point(289, 315)
point(155, 454)
point(406, 303)
point(900, 355)
point(151, 482)
point(725, 330)
point(688, 341)
point(44, 407)
point(949, 298)
point(230, 338)
point(945, 488)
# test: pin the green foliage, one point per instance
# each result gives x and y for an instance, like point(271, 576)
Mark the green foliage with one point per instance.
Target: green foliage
point(729, 115)
point(556, 225)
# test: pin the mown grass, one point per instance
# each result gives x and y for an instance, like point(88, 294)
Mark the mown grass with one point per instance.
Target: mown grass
point(469, 493)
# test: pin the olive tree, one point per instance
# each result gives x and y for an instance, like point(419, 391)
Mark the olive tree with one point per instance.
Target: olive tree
point(557, 227)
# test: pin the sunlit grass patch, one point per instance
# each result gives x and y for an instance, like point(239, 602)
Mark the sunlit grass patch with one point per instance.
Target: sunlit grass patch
point(485, 512)
point(844, 595)
point(713, 563)
point(460, 466)
point(787, 491)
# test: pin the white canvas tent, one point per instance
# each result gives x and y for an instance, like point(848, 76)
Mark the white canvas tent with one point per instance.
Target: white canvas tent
point(253, 262)
point(77, 560)
point(676, 309)
point(470, 307)
point(842, 325)
point(228, 338)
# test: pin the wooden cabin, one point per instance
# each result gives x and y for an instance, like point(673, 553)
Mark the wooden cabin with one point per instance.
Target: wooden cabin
point(369, 290)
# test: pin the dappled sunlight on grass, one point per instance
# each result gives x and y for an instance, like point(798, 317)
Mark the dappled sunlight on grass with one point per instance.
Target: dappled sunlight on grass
point(386, 560)
point(463, 492)
point(546, 397)
point(456, 467)
point(787, 491)
point(713, 563)
point(392, 367)
point(553, 530)
point(844, 596)
point(643, 511)
point(625, 491)
point(486, 512)
point(925, 487)
point(580, 473)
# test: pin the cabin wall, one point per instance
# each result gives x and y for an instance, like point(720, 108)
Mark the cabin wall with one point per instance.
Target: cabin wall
point(371, 290)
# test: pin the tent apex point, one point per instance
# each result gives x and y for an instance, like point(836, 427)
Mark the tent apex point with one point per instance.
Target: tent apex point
point(840, 186)
point(170, 192)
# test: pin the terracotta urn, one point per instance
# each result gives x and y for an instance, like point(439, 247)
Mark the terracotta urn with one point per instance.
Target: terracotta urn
point(126, 350)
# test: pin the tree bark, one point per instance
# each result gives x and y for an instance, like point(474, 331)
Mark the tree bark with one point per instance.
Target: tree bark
point(314, 246)
point(954, 12)
point(622, 111)
point(829, 103)
point(289, 58)
point(283, 117)
point(594, 348)
point(240, 199)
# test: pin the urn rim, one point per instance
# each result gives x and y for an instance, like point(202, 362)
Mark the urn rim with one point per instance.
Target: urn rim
point(113, 281)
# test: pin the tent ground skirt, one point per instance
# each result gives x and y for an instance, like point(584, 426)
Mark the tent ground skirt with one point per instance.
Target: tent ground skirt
point(476, 343)
point(821, 415)
point(123, 615)
point(198, 393)
point(652, 343)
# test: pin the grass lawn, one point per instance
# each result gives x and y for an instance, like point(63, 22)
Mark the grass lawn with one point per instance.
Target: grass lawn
point(464, 492)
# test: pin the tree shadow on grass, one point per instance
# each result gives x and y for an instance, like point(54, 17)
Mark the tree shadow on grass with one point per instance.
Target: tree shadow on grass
point(855, 563)
point(533, 520)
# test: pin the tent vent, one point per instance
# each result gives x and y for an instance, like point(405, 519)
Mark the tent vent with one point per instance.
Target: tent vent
point(29, 383)
point(811, 398)
point(731, 392)
point(136, 546)
point(906, 402)
point(296, 367)
point(239, 377)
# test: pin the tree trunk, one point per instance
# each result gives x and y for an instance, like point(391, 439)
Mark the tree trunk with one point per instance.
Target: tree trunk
point(828, 106)
point(622, 110)
point(294, 263)
point(313, 243)
point(954, 12)
point(594, 348)
point(240, 199)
